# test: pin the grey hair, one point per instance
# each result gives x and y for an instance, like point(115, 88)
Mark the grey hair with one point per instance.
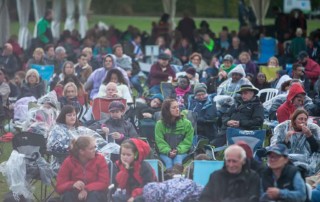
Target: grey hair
point(60, 49)
point(237, 149)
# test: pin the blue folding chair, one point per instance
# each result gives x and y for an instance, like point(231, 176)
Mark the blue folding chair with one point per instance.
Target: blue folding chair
point(254, 138)
point(202, 170)
point(156, 164)
point(268, 47)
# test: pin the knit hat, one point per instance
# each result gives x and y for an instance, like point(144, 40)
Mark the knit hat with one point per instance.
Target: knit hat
point(191, 71)
point(228, 57)
point(116, 105)
point(158, 95)
point(200, 87)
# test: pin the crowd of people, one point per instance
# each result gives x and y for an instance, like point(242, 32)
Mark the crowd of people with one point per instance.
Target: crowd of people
point(201, 84)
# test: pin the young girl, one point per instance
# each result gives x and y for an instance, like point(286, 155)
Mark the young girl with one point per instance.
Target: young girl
point(133, 172)
point(116, 76)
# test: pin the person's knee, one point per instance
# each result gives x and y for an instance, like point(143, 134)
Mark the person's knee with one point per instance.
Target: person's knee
point(69, 196)
point(97, 196)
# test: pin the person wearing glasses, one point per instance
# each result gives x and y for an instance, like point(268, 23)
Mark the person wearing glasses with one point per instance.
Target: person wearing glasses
point(173, 134)
point(281, 181)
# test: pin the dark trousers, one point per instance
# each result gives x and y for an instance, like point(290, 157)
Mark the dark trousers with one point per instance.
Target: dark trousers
point(93, 196)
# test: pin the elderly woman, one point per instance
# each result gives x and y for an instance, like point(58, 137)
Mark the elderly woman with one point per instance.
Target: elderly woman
point(248, 65)
point(302, 139)
point(174, 134)
point(37, 58)
point(281, 181)
point(70, 96)
point(32, 86)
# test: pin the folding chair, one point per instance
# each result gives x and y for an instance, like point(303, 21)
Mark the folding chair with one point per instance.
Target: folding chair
point(166, 89)
point(202, 170)
point(32, 144)
point(254, 138)
point(156, 164)
point(101, 105)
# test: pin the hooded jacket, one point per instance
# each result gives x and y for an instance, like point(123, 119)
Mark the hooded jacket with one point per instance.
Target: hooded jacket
point(230, 88)
point(312, 70)
point(96, 78)
point(140, 172)
point(286, 109)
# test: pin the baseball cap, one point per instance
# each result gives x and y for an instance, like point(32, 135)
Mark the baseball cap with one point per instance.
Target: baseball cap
point(116, 105)
point(279, 149)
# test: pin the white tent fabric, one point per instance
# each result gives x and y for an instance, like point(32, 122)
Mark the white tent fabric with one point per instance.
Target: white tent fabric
point(70, 22)
point(55, 24)
point(39, 7)
point(169, 7)
point(83, 21)
point(260, 9)
point(23, 7)
point(4, 22)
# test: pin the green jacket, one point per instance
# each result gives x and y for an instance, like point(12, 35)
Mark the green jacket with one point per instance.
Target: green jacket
point(42, 27)
point(183, 127)
point(222, 67)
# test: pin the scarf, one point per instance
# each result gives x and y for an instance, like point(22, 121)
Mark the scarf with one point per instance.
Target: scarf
point(181, 92)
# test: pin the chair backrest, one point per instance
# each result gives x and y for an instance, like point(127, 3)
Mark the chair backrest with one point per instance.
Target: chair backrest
point(156, 164)
point(101, 105)
point(271, 92)
point(267, 49)
point(254, 138)
point(166, 89)
point(202, 170)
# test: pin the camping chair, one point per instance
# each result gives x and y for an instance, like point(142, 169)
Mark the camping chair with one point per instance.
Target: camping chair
point(166, 89)
point(267, 46)
point(100, 106)
point(254, 138)
point(271, 92)
point(156, 164)
point(32, 144)
point(202, 170)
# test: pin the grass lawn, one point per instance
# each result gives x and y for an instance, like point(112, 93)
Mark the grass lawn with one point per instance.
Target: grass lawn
point(144, 23)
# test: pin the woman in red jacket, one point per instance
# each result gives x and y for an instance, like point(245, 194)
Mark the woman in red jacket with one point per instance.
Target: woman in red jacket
point(133, 172)
point(84, 175)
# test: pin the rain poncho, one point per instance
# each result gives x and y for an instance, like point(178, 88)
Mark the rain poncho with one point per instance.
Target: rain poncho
point(61, 136)
point(299, 147)
point(230, 88)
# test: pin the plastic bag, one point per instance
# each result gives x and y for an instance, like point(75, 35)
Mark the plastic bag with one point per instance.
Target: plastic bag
point(110, 148)
point(223, 102)
point(15, 172)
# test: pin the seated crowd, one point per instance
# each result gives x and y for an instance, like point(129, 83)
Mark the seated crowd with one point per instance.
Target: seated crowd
point(103, 110)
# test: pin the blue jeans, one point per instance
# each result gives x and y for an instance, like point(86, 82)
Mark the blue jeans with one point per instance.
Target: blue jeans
point(316, 194)
point(169, 162)
point(137, 84)
point(154, 90)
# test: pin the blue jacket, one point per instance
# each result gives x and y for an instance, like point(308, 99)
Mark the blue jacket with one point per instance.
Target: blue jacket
point(206, 115)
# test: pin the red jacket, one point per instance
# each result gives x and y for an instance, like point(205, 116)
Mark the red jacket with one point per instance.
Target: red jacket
point(287, 108)
point(95, 174)
point(312, 70)
point(141, 173)
point(157, 76)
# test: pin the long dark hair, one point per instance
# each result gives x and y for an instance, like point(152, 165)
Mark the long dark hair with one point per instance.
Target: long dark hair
point(119, 75)
point(166, 114)
point(66, 109)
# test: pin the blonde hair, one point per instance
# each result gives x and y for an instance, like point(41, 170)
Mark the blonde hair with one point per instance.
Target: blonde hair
point(244, 53)
point(70, 84)
point(87, 50)
point(194, 55)
point(38, 50)
point(273, 58)
point(32, 71)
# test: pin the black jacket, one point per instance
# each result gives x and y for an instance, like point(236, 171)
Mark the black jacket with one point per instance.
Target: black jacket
point(37, 90)
point(250, 114)
point(226, 187)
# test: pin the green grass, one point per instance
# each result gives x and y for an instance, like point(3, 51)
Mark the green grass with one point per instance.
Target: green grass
point(144, 23)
